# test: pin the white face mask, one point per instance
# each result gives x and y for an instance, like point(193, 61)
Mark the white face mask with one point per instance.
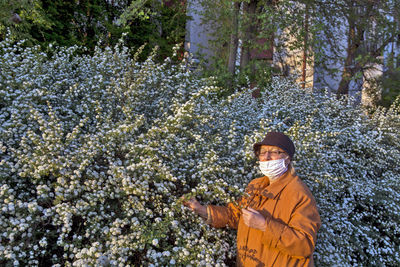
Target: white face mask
point(273, 169)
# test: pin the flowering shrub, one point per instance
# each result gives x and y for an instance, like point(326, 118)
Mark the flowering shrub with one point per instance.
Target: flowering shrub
point(96, 152)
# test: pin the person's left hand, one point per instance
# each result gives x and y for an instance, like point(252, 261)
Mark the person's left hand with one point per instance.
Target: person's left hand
point(254, 219)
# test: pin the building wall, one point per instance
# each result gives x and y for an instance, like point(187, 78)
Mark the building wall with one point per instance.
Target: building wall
point(291, 61)
point(198, 34)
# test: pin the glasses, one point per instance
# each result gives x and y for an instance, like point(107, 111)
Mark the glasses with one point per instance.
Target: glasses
point(272, 153)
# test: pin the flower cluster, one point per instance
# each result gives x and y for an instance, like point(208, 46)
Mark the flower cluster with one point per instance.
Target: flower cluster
point(96, 152)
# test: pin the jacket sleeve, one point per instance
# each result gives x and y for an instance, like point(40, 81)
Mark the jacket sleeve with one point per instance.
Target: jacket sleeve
point(298, 237)
point(221, 216)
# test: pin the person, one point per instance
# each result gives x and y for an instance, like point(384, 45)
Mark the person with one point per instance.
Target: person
point(277, 218)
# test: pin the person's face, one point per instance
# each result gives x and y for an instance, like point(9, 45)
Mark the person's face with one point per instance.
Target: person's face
point(272, 153)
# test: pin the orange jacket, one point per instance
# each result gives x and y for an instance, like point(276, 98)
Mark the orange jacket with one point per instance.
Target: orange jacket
point(292, 223)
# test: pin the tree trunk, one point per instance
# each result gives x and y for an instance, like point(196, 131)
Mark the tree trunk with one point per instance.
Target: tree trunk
point(249, 10)
point(351, 67)
point(234, 39)
point(343, 88)
point(253, 29)
point(245, 50)
point(303, 78)
point(357, 28)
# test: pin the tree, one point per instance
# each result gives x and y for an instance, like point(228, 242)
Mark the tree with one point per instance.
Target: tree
point(19, 16)
point(368, 27)
point(234, 43)
point(245, 26)
point(304, 67)
point(89, 23)
point(315, 27)
point(370, 30)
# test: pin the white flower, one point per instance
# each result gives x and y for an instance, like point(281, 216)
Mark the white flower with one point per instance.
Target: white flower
point(155, 242)
point(174, 223)
point(103, 261)
point(186, 252)
point(166, 253)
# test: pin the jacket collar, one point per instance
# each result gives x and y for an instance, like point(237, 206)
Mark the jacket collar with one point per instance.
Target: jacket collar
point(272, 190)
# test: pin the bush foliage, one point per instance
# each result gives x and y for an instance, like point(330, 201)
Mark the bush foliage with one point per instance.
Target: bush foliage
point(96, 152)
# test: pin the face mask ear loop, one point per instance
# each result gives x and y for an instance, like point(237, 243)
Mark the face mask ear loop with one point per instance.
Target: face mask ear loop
point(286, 165)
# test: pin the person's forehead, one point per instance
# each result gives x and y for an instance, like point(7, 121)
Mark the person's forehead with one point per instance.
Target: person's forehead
point(265, 147)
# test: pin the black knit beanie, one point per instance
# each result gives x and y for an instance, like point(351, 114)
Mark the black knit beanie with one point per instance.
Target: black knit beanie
point(276, 139)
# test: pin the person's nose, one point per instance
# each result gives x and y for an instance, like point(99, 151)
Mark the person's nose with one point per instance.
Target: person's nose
point(266, 157)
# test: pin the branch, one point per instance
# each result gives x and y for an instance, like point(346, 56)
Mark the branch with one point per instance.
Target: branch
point(379, 50)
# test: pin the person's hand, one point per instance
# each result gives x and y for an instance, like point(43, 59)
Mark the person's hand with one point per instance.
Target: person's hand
point(192, 203)
point(195, 206)
point(254, 219)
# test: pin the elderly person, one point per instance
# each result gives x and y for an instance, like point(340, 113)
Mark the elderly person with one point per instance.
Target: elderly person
point(277, 219)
